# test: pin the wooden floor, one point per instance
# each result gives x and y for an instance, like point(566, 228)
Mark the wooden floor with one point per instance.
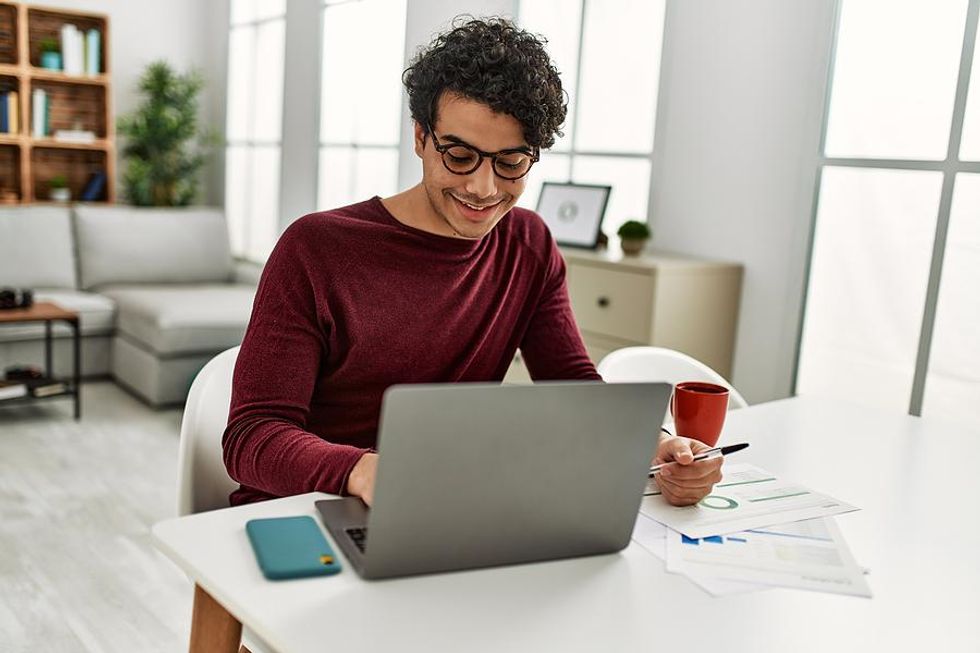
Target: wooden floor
point(78, 571)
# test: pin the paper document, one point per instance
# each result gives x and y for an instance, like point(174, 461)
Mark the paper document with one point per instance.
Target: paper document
point(747, 497)
point(808, 555)
point(652, 536)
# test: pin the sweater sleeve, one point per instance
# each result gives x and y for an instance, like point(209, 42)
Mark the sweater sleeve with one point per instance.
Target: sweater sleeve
point(552, 346)
point(266, 445)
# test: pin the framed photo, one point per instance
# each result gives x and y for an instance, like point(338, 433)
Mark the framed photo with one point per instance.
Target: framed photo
point(573, 212)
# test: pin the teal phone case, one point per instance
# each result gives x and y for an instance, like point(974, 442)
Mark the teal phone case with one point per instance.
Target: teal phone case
point(291, 547)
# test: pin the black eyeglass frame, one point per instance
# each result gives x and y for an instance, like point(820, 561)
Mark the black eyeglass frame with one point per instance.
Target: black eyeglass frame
point(442, 148)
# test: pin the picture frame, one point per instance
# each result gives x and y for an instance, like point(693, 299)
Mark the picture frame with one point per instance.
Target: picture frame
point(573, 212)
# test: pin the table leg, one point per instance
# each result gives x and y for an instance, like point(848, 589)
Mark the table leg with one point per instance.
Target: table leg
point(77, 370)
point(213, 629)
point(48, 371)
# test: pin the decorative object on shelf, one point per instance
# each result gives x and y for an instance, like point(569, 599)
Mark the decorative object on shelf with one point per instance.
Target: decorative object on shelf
point(633, 236)
point(163, 164)
point(50, 54)
point(573, 212)
point(58, 189)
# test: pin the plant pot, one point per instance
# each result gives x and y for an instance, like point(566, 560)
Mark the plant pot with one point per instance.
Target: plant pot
point(633, 246)
point(51, 60)
point(59, 194)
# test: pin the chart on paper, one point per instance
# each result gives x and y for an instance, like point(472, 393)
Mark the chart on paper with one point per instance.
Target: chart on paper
point(808, 555)
point(747, 497)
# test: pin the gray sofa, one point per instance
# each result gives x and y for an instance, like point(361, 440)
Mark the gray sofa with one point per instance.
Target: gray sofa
point(157, 291)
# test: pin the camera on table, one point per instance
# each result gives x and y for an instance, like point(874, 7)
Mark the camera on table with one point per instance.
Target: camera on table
point(16, 298)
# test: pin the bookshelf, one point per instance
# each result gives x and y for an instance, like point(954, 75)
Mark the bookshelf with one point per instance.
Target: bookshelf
point(28, 163)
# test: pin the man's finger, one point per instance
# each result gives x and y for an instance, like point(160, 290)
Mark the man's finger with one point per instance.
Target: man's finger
point(702, 469)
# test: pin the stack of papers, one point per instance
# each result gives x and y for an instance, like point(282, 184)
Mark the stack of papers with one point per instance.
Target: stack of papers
point(752, 532)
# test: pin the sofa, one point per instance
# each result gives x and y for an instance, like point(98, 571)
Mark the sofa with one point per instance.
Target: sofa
point(157, 291)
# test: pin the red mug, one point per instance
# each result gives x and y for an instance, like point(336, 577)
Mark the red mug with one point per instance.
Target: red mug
point(699, 410)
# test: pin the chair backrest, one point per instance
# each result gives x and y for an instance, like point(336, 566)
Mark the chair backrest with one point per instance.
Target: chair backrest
point(660, 364)
point(202, 481)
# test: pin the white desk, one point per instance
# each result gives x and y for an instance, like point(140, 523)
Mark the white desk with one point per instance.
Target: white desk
point(918, 532)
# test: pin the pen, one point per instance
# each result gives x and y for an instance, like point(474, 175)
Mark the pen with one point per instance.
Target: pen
point(717, 452)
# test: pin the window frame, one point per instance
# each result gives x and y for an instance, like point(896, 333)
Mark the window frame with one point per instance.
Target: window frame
point(950, 166)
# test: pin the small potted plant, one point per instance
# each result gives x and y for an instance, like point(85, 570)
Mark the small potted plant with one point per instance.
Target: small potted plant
point(633, 236)
point(58, 190)
point(50, 54)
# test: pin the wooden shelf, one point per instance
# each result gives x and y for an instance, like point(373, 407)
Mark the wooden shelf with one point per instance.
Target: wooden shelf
point(58, 76)
point(28, 164)
point(100, 144)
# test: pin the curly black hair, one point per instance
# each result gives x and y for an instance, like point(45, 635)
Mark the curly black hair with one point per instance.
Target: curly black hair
point(494, 62)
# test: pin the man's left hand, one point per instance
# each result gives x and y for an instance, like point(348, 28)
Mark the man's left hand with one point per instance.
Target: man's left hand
point(685, 482)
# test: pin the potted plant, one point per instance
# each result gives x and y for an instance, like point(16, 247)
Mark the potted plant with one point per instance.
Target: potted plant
point(164, 148)
point(58, 190)
point(633, 236)
point(50, 54)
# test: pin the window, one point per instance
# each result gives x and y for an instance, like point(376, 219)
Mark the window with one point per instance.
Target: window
point(360, 100)
point(609, 130)
point(891, 314)
point(256, 51)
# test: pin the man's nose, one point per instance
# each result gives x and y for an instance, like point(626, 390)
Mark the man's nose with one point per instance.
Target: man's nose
point(482, 182)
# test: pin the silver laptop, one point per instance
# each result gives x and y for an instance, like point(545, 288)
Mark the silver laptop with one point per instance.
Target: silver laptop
point(476, 475)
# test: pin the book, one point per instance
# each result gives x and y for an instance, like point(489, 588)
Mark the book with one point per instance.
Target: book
point(48, 388)
point(93, 52)
point(4, 118)
point(12, 389)
point(94, 187)
point(74, 136)
point(13, 112)
point(72, 50)
point(38, 112)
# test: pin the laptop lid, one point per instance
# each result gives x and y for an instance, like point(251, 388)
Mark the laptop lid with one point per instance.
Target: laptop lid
point(477, 475)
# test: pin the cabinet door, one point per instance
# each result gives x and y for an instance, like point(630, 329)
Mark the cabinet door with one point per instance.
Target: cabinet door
point(611, 302)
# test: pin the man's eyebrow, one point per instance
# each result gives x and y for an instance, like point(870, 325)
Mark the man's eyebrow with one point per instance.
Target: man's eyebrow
point(456, 139)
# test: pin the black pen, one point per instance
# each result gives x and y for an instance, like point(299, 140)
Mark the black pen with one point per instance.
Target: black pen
point(717, 452)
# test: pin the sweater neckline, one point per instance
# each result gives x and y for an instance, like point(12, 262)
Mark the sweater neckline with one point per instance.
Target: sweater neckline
point(445, 243)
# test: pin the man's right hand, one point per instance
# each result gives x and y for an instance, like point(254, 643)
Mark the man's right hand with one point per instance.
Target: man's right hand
point(360, 483)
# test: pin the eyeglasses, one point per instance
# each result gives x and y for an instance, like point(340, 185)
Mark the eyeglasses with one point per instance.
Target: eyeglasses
point(463, 159)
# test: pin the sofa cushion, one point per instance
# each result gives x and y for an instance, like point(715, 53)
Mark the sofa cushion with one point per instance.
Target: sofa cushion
point(36, 248)
point(182, 319)
point(96, 315)
point(122, 245)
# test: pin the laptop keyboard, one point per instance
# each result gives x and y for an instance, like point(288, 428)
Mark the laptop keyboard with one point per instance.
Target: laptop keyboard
point(359, 536)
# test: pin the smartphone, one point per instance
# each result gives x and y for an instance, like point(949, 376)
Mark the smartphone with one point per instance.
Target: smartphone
point(291, 547)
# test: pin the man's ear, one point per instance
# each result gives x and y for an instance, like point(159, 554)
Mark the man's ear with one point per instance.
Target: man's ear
point(419, 139)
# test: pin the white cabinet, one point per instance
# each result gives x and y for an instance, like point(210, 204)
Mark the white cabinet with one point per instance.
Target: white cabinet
point(666, 300)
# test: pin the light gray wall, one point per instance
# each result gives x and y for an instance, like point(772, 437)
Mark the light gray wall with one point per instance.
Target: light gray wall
point(425, 19)
point(738, 130)
point(184, 32)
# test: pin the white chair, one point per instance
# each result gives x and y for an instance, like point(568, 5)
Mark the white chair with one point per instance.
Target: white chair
point(660, 364)
point(202, 481)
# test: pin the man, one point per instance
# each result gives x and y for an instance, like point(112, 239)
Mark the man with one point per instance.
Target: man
point(440, 283)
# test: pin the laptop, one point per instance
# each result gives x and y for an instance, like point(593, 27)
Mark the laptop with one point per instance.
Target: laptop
point(480, 475)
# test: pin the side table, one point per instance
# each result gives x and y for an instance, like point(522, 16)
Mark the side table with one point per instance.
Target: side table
point(49, 313)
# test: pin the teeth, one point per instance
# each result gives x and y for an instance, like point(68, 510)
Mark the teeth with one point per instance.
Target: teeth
point(474, 207)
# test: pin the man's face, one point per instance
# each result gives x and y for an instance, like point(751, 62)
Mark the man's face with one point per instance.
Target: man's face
point(472, 204)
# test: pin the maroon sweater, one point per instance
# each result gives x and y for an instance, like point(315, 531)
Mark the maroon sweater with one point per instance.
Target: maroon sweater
point(352, 301)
